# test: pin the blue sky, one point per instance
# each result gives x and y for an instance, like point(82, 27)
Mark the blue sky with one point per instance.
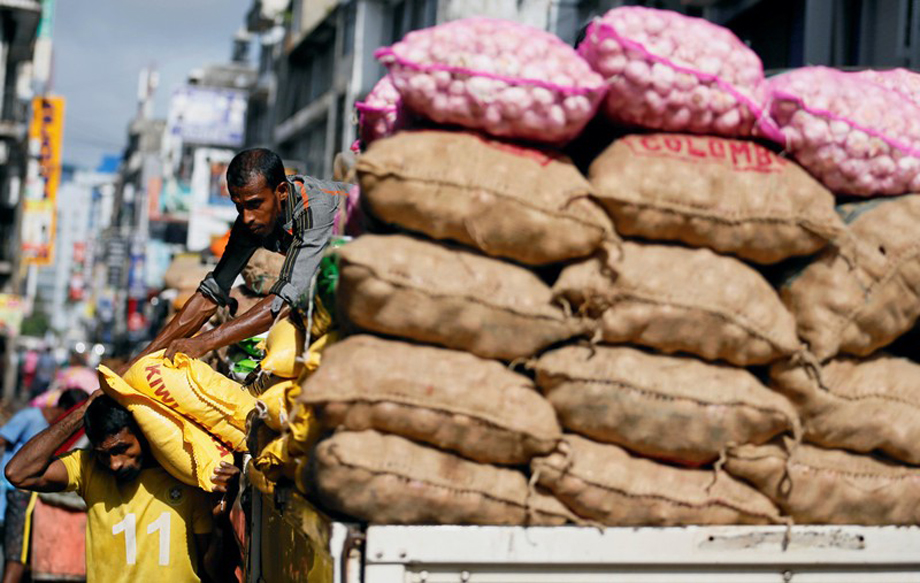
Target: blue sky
point(100, 46)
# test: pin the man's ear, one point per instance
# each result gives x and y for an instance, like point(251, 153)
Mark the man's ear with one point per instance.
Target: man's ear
point(282, 190)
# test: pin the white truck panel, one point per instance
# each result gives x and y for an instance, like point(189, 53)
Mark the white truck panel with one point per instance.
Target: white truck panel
point(465, 554)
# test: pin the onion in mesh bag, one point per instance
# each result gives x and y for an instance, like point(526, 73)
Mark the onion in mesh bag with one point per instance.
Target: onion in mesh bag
point(501, 77)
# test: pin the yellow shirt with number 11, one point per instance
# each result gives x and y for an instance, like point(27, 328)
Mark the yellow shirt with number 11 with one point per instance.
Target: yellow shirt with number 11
point(141, 530)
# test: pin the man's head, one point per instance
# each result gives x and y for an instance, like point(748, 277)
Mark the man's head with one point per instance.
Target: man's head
point(69, 399)
point(65, 403)
point(117, 441)
point(257, 185)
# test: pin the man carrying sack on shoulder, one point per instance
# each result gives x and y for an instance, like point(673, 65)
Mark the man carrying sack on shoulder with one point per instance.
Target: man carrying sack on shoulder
point(292, 215)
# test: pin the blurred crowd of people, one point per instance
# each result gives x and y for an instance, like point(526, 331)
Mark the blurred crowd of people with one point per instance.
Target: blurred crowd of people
point(47, 389)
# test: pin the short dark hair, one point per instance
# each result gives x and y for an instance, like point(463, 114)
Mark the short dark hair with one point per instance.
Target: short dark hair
point(71, 397)
point(105, 417)
point(254, 162)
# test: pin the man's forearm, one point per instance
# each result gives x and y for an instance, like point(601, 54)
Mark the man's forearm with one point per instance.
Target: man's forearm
point(254, 322)
point(26, 468)
point(196, 311)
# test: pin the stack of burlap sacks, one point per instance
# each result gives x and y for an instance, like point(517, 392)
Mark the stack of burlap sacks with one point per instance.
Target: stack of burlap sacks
point(512, 352)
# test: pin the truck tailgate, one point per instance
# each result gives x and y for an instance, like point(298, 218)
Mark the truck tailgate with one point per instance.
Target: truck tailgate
point(466, 554)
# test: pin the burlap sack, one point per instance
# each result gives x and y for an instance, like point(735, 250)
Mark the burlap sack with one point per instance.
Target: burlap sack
point(860, 405)
point(245, 299)
point(862, 297)
point(261, 273)
point(673, 408)
point(451, 400)
point(729, 195)
point(830, 486)
point(606, 484)
point(386, 479)
point(185, 272)
point(428, 292)
point(676, 299)
point(505, 200)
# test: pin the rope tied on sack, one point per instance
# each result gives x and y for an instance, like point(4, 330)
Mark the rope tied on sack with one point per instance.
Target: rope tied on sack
point(806, 359)
point(719, 466)
point(563, 449)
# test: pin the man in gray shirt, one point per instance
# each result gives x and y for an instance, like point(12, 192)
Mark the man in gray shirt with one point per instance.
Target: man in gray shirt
point(287, 214)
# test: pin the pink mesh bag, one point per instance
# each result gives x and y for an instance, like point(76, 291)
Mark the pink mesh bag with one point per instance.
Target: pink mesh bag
point(673, 72)
point(902, 81)
point(853, 134)
point(380, 114)
point(501, 77)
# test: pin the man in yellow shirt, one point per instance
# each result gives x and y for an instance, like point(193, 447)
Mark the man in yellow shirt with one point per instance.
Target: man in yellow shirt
point(142, 524)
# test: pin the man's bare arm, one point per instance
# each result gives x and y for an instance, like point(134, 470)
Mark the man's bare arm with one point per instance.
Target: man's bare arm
point(34, 467)
point(257, 320)
point(196, 311)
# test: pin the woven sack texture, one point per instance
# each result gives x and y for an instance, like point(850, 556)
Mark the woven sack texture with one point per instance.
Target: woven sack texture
point(605, 484)
point(862, 297)
point(386, 479)
point(262, 270)
point(185, 273)
point(451, 400)
point(732, 196)
point(859, 405)
point(676, 299)
point(674, 408)
point(529, 205)
point(830, 486)
point(423, 291)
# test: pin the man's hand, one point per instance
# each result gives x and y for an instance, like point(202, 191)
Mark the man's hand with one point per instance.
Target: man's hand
point(191, 347)
point(226, 486)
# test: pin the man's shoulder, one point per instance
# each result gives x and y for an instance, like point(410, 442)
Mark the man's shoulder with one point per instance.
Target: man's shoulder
point(24, 418)
point(305, 185)
point(30, 412)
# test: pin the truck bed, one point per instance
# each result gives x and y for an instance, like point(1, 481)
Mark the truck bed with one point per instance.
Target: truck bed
point(455, 554)
point(296, 542)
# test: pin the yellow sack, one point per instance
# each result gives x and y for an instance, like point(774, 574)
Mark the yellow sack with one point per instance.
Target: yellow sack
point(276, 402)
point(289, 469)
point(302, 475)
point(302, 431)
point(272, 459)
point(279, 409)
point(185, 450)
point(195, 390)
point(315, 354)
point(258, 480)
point(283, 350)
point(322, 320)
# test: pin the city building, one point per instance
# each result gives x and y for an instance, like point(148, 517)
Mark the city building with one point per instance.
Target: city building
point(19, 20)
point(20, 24)
point(90, 201)
point(169, 193)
